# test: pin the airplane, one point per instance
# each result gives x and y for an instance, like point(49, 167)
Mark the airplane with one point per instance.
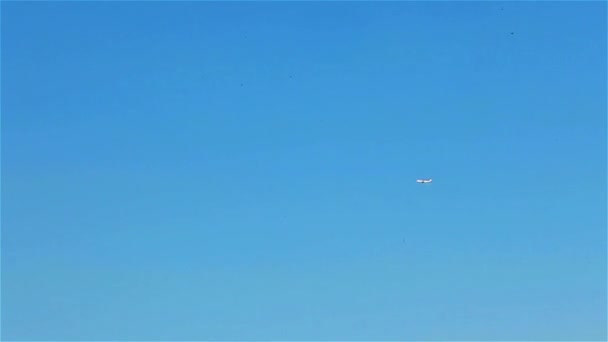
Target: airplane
point(422, 181)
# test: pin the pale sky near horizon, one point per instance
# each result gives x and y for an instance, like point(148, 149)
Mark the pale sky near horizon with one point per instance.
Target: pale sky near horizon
point(246, 171)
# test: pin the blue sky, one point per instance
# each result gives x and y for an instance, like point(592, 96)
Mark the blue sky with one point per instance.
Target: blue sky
point(246, 171)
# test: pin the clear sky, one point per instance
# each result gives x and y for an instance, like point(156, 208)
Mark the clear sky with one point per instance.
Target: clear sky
point(246, 171)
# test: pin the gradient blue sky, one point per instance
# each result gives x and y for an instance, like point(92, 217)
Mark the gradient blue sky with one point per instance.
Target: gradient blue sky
point(246, 171)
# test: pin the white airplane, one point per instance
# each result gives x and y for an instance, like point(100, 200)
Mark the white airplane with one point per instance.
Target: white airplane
point(422, 181)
